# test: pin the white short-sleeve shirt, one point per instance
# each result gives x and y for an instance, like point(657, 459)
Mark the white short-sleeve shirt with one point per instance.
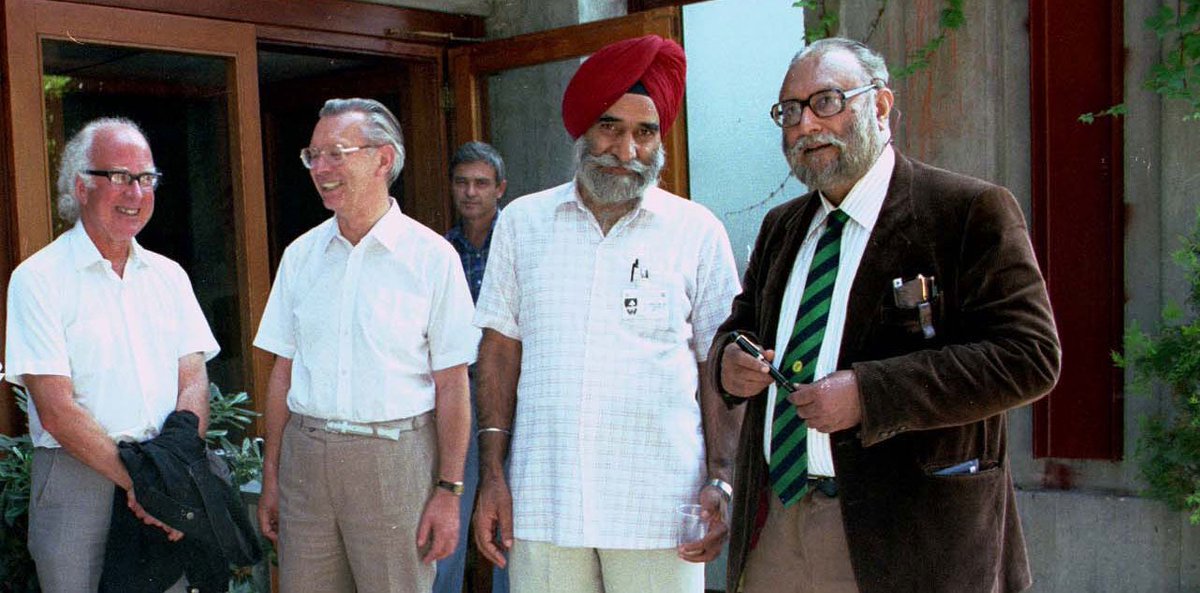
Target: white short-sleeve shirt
point(607, 438)
point(366, 325)
point(118, 339)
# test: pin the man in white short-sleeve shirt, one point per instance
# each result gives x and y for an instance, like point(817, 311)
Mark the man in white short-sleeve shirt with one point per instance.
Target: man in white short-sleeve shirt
point(369, 322)
point(600, 299)
point(108, 339)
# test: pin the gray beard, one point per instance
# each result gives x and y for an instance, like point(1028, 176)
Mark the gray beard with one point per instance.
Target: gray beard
point(614, 189)
point(856, 153)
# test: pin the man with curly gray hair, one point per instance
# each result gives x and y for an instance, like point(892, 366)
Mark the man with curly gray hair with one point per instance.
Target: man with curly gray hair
point(109, 340)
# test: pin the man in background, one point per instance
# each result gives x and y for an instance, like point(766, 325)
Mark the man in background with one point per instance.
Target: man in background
point(477, 185)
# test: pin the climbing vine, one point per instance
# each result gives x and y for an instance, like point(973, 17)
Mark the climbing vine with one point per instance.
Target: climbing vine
point(950, 18)
point(1177, 75)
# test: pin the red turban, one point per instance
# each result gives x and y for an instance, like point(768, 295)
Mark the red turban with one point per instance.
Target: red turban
point(657, 63)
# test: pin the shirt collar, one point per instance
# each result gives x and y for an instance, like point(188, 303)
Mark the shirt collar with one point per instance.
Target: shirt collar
point(865, 199)
point(84, 252)
point(386, 232)
point(456, 232)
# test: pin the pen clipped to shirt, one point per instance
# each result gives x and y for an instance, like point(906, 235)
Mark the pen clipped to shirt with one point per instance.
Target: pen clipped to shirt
point(636, 272)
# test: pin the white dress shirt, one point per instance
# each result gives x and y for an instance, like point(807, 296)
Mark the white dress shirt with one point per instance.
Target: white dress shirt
point(119, 339)
point(607, 438)
point(366, 325)
point(862, 204)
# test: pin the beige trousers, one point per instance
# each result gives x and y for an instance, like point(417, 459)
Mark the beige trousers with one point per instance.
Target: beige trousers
point(539, 567)
point(802, 549)
point(349, 507)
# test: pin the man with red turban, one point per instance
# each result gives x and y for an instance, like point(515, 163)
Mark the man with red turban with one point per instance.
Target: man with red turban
point(598, 307)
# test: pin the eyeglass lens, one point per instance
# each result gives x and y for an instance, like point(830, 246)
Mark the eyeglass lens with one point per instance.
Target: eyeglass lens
point(823, 104)
point(148, 180)
point(309, 156)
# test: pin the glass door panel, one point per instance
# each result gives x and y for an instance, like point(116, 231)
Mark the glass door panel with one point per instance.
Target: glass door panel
point(181, 103)
point(191, 85)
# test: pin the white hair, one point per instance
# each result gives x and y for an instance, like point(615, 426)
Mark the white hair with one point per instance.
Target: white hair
point(77, 158)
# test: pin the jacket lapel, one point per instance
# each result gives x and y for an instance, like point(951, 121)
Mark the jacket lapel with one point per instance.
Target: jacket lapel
point(891, 242)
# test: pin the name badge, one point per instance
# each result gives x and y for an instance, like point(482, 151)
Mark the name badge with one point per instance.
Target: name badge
point(643, 303)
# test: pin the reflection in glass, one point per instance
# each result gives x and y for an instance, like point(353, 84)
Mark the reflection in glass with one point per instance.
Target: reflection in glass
point(181, 102)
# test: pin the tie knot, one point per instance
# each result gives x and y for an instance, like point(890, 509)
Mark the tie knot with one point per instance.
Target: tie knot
point(837, 219)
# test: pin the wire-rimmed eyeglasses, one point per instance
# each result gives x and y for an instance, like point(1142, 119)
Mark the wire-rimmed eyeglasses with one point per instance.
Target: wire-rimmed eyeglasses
point(148, 180)
point(336, 155)
point(826, 103)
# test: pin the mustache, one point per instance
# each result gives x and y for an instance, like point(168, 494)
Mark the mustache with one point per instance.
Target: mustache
point(610, 161)
point(807, 142)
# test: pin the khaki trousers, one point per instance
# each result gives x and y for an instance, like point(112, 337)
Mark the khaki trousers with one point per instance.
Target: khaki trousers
point(539, 567)
point(70, 506)
point(349, 507)
point(802, 549)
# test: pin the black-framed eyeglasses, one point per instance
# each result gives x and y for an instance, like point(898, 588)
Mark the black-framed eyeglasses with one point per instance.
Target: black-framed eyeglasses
point(336, 155)
point(826, 103)
point(148, 180)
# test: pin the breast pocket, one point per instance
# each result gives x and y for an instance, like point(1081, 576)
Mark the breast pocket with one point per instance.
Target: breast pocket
point(391, 323)
point(656, 307)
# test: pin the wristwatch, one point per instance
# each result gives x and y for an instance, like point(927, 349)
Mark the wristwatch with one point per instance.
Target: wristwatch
point(455, 488)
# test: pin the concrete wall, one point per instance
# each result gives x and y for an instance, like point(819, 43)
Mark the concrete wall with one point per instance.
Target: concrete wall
point(526, 103)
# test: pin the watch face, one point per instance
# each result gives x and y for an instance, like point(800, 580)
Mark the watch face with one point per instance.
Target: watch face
point(455, 488)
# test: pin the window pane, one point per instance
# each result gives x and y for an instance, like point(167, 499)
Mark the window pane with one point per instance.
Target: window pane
point(180, 102)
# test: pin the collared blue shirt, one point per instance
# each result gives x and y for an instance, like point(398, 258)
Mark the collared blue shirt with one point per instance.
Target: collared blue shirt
point(474, 261)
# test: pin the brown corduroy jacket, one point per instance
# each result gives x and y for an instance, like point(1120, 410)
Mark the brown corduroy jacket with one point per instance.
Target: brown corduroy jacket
point(926, 403)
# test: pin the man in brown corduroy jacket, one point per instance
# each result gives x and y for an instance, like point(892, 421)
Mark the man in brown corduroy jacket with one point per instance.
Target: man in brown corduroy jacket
point(904, 306)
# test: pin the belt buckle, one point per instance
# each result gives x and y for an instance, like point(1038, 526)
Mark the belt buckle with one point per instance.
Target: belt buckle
point(825, 485)
point(346, 427)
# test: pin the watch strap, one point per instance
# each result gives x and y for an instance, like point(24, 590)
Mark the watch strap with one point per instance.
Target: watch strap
point(455, 488)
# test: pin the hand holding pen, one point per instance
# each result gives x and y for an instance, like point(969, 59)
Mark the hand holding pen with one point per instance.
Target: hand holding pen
point(746, 370)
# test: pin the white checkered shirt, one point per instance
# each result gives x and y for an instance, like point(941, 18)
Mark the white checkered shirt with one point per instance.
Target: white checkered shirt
point(607, 440)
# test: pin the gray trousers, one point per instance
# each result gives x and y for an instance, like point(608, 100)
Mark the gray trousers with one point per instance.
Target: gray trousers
point(70, 505)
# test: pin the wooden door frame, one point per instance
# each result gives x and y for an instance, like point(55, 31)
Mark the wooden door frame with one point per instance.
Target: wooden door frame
point(471, 65)
point(29, 22)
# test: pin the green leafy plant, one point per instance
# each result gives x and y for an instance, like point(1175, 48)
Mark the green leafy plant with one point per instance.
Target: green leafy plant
point(827, 20)
point(1168, 450)
point(1176, 76)
point(951, 18)
point(17, 574)
point(229, 416)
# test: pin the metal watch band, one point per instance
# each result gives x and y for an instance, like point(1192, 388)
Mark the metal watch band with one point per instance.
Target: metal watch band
point(723, 486)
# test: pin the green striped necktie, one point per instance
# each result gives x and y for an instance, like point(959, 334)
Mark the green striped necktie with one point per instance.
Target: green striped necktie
point(789, 450)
